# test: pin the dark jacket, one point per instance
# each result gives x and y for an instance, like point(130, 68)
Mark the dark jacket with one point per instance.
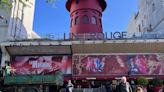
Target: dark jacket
point(124, 87)
point(109, 88)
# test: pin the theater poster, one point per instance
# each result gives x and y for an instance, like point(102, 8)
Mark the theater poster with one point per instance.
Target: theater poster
point(144, 64)
point(27, 65)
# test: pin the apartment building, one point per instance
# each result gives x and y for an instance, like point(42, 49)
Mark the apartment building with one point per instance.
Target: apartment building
point(16, 21)
point(149, 18)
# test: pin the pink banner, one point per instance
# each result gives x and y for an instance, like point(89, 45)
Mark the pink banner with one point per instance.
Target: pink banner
point(144, 64)
point(27, 65)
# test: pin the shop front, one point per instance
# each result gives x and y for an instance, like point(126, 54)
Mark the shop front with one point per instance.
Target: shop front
point(33, 83)
point(98, 70)
point(45, 66)
point(38, 73)
point(118, 64)
point(37, 68)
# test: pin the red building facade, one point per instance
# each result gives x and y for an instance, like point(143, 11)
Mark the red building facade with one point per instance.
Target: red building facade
point(86, 16)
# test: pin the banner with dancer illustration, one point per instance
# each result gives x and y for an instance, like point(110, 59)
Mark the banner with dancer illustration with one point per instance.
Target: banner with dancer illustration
point(27, 65)
point(144, 64)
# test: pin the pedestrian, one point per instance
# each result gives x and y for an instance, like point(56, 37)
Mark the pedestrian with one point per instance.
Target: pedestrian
point(69, 87)
point(108, 86)
point(124, 86)
point(133, 85)
point(139, 89)
point(163, 87)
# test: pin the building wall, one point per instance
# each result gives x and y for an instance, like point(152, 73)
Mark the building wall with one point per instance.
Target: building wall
point(0, 56)
point(132, 27)
point(5, 56)
point(20, 21)
point(4, 21)
point(150, 17)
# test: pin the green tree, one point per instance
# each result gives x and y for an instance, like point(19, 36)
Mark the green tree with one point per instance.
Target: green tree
point(5, 2)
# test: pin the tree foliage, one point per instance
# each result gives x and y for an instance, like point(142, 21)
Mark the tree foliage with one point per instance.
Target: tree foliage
point(6, 2)
point(156, 82)
point(142, 81)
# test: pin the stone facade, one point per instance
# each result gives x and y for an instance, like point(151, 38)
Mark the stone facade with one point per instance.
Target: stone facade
point(16, 23)
point(149, 18)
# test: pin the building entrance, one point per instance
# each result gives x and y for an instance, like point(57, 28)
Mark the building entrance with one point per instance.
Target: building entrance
point(30, 90)
point(53, 89)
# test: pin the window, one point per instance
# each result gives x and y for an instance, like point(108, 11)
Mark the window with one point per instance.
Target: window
point(142, 23)
point(139, 28)
point(85, 19)
point(150, 26)
point(71, 22)
point(76, 20)
point(100, 22)
point(94, 20)
point(94, 12)
point(76, 13)
point(153, 7)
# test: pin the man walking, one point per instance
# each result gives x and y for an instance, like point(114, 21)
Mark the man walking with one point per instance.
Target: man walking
point(124, 86)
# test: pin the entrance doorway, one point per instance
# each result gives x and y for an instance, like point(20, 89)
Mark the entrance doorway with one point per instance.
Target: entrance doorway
point(30, 90)
point(53, 89)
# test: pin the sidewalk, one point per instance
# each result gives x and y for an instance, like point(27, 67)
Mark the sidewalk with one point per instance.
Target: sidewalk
point(86, 90)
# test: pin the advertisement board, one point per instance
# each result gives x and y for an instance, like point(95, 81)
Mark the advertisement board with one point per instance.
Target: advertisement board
point(140, 64)
point(34, 65)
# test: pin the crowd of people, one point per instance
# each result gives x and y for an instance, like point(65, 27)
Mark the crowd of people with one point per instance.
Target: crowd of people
point(120, 86)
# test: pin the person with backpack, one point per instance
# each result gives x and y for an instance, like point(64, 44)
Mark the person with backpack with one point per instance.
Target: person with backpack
point(70, 86)
point(124, 86)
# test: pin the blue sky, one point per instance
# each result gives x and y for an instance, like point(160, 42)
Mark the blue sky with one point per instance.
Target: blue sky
point(54, 18)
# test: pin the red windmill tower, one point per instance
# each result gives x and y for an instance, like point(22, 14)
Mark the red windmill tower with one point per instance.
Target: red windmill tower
point(86, 16)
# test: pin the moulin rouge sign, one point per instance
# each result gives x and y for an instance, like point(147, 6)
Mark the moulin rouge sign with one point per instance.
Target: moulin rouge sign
point(111, 35)
point(118, 35)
